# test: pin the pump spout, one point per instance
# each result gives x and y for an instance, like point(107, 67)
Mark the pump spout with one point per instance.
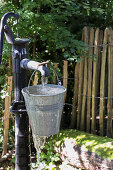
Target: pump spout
point(33, 65)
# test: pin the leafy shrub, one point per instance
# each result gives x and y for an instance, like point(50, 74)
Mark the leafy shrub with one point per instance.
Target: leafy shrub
point(48, 157)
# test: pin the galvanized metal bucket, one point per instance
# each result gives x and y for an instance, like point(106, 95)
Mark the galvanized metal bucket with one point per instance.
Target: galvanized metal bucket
point(44, 106)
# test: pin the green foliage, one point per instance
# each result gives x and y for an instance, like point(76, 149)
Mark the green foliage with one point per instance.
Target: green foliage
point(47, 23)
point(55, 73)
point(48, 157)
point(54, 26)
point(13, 159)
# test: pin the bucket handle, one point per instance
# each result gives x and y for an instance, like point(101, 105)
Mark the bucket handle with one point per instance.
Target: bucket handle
point(59, 82)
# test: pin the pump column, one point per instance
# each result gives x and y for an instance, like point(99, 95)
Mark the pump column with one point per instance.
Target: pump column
point(22, 153)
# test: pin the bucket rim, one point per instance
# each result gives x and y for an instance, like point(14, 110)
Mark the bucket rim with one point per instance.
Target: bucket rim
point(26, 92)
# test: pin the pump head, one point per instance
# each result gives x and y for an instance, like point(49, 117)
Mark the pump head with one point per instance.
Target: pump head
point(7, 31)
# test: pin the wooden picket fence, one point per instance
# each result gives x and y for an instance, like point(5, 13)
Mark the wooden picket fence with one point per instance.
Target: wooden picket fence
point(92, 100)
point(93, 93)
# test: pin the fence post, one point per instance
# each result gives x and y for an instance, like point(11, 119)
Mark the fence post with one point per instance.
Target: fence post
point(82, 123)
point(65, 82)
point(81, 68)
point(94, 83)
point(75, 96)
point(35, 82)
point(65, 76)
point(7, 114)
point(55, 66)
point(89, 92)
point(102, 85)
point(110, 84)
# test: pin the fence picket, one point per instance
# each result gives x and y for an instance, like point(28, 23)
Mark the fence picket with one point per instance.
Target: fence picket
point(94, 83)
point(65, 76)
point(82, 123)
point(65, 83)
point(35, 81)
point(102, 85)
point(110, 84)
point(89, 93)
point(7, 114)
point(55, 76)
point(80, 88)
point(75, 97)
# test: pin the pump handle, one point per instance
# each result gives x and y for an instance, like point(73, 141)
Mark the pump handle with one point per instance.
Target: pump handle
point(2, 29)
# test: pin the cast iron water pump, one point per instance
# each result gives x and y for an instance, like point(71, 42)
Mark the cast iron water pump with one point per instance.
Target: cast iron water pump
point(20, 64)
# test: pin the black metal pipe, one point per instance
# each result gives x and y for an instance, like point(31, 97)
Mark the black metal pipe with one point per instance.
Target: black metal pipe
point(22, 153)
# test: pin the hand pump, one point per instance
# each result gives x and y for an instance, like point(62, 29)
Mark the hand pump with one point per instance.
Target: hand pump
point(20, 64)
